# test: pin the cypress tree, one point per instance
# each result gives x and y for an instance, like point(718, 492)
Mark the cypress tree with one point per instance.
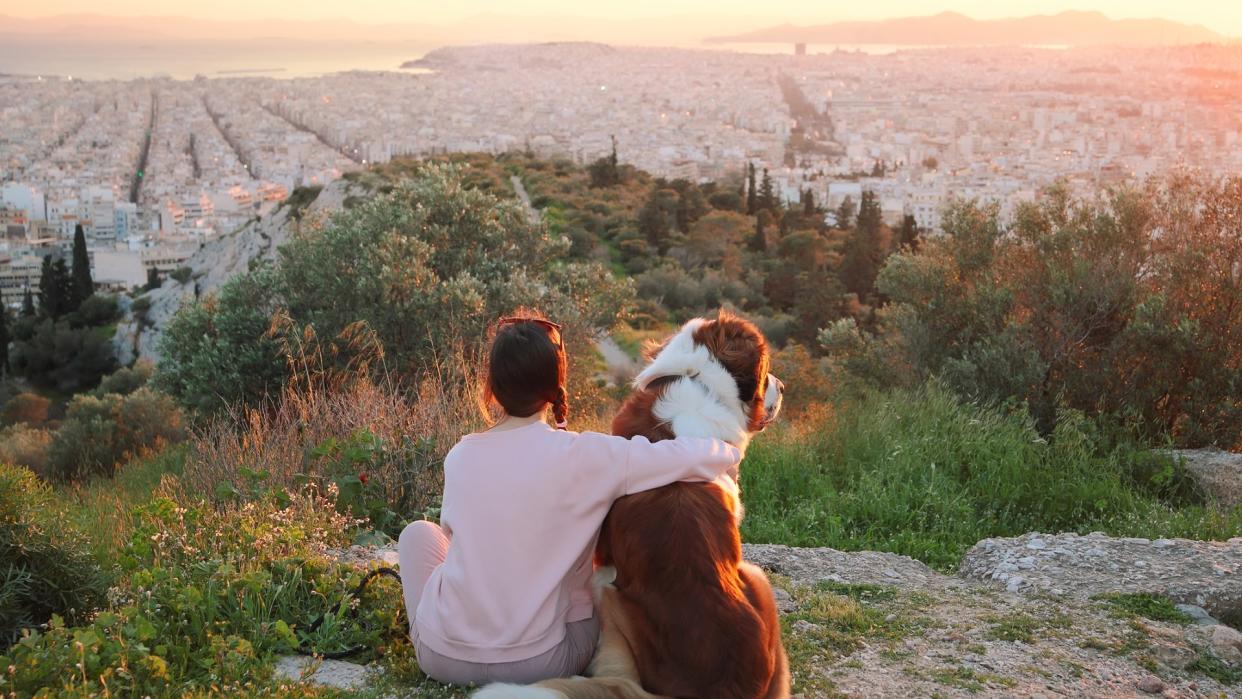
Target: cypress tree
point(752, 203)
point(49, 290)
point(908, 235)
point(808, 203)
point(28, 307)
point(767, 195)
point(759, 241)
point(83, 285)
point(863, 253)
point(845, 213)
point(4, 340)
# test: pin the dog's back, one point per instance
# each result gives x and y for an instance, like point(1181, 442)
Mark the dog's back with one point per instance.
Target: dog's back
point(704, 623)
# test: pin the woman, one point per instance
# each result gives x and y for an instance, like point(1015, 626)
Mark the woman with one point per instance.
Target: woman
point(500, 590)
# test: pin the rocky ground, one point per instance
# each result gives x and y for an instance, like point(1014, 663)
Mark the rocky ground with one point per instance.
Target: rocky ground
point(1032, 616)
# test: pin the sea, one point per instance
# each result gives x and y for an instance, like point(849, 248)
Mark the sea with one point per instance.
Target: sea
point(184, 61)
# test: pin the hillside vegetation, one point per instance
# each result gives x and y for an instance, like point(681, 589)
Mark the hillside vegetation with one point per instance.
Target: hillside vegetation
point(942, 389)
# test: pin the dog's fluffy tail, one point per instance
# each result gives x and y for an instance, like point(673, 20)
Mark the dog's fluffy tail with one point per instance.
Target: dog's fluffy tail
point(574, 688)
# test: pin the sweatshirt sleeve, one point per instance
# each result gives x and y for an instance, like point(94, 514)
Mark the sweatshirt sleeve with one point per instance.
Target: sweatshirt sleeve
point(653, 464)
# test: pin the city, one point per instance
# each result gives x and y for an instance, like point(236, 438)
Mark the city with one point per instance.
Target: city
point(153, 168)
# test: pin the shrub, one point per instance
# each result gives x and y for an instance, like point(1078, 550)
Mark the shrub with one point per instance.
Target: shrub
point(96, 311)
point(28, 408)
point(100, 434)
point(47, 568)
point(212, 595)
point(182, 274)
point(23, 445)
point(126, 380)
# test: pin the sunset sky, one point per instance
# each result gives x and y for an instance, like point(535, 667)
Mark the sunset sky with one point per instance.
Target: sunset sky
point(1220, 15)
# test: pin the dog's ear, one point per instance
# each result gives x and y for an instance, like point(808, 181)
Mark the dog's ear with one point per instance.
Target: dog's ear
point(651, 348)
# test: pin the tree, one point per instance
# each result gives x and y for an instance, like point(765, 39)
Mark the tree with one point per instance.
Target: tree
point(752, 196)
point(605, 172)
point(864, 252)
point(767, 193)
point(55, 288)
point(4, 340)
point(845, 213)
point(808, 204)
point(153, 278)
point(658, 218)
point(759, 240)
point(908, 234)
point(28, 306)
point(83, 285)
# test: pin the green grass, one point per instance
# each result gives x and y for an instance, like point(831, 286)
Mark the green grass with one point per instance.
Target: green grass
point(1148, 606)
point(103, 506)
point(923, 474)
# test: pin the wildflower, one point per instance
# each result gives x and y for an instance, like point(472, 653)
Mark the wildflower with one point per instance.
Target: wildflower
point(363, 477)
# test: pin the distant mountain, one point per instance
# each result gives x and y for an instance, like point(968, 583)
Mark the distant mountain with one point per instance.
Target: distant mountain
point(953, 29)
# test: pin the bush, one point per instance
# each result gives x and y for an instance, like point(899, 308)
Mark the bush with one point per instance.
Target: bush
point(211, 597)
point(100, 434)
point(923, 474)
point(59, 356)
point(96, 311)
point(23, 445)
point(182, 274)
point(47, 568)
point(28, 408)
point(126, 380)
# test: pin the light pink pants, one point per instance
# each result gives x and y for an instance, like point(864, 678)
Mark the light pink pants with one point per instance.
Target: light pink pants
point(422, 547)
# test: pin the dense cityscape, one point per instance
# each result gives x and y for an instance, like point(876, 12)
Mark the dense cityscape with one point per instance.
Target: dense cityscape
point(152, 168)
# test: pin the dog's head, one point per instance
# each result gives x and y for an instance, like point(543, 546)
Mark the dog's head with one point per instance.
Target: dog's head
point(729, 356)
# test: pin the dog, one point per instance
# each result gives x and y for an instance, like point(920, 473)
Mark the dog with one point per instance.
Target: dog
point(682, 615)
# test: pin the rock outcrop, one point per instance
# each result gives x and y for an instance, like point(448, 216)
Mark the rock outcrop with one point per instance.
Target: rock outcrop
point(215, 263)
point(1217, 473)
point(1205, 574)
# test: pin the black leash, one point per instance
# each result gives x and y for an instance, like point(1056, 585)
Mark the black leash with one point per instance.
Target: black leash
point(356, 593)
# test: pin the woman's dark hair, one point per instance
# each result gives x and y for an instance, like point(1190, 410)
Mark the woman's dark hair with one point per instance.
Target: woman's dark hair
point(526, 367)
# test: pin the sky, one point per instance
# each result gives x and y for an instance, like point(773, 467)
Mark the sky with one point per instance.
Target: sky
point(1224, 16)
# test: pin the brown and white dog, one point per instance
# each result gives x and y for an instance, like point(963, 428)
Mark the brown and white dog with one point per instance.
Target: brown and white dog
point(685, 616)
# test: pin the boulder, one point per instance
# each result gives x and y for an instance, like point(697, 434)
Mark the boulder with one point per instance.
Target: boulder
point(1218, 473)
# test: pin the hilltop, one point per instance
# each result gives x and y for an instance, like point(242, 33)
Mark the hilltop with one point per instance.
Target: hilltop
point(953, 29)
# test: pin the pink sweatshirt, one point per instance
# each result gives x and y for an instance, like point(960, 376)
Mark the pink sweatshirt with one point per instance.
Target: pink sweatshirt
point(523, 508)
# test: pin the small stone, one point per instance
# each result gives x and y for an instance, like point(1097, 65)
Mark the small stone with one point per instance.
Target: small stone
point(890, 618)
point(1150, 684)
point(336, 674)
point(1026, 562)
point(784, 602)
point(1015, 583)
point(890, 573)
point(804, 626)
point(1037, 544)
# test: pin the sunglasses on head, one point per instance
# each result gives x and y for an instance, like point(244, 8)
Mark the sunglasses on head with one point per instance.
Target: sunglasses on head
point(554, 329)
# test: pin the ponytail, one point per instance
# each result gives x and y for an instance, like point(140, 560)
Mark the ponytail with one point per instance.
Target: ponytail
point(560, 408)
